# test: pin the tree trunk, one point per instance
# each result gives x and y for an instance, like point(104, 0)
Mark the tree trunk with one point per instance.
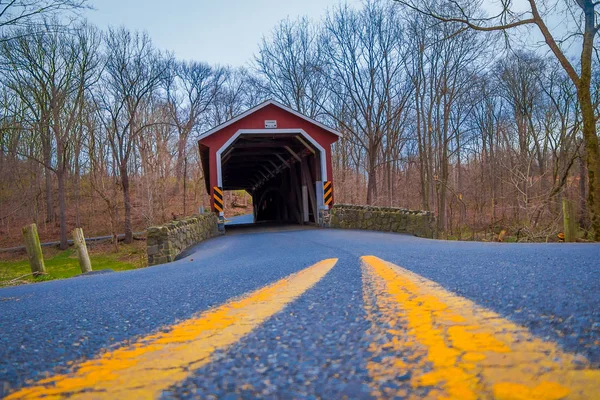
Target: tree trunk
point(442, 196)
point(357, 193)
point(462, 209)
point(390, 183)
point(180, 159)
point(592, 160)
point(372, 184)
point(77, 184)
point(62, 205)
point(583, 213)
point(127, 204)
point(184, 186)
point(49, 199)
point(47, 153)
point(590, 136)
point(493, 179)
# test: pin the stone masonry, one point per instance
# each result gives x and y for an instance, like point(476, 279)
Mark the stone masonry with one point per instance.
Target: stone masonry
point(167, 241)
point(400, 220)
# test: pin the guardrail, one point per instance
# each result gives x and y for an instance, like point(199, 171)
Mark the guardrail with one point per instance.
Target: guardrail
point(120, 236)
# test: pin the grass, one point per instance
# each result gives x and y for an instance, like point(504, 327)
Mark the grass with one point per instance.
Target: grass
point(64, 264)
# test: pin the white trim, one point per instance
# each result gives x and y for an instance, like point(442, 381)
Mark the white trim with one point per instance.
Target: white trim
point(274, 132)
point(262, 105)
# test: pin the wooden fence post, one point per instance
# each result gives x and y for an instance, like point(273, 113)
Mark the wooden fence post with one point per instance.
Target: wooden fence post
point(34, 250)
point(82, 253)
point(569, 221)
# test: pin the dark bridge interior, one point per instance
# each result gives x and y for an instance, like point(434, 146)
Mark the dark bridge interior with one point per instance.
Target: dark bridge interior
point(279, 171)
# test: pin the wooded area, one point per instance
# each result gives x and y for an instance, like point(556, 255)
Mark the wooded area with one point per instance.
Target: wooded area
point(98, 128)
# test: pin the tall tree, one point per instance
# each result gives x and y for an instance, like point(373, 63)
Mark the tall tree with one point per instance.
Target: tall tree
point(238, 92)
point(52, 70)
point(582, 24)
point(133, 71)
point(191, 89)
point(442, 73)
point(289, 64)
point(34, 14)
point(364, 54)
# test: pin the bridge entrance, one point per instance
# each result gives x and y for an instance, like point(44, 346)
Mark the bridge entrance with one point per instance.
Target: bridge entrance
point(280, 157)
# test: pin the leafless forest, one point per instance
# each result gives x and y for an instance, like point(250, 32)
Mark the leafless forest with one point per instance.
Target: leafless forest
point(442, 107)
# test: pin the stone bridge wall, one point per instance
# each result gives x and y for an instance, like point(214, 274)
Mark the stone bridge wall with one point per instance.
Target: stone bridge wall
point(167, 241)
point(418, 223)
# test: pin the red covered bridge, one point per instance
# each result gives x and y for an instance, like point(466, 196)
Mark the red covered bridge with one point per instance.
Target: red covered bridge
point(279, 156)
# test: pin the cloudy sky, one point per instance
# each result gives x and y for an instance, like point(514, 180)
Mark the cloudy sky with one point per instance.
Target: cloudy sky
point(227, 32)
point(215, 31)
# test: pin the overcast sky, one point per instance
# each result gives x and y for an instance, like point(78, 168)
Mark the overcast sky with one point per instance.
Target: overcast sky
point(228, 32)
point(216, 31)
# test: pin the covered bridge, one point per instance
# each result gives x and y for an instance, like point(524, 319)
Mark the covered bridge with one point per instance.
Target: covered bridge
point(279, 156)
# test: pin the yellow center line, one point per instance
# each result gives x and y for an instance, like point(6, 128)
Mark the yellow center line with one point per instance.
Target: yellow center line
point(432, 343)
point(157, 361)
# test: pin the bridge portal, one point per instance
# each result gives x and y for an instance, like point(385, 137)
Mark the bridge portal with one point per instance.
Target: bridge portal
point(279, 156)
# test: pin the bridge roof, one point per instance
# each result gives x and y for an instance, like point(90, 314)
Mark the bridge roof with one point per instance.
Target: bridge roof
point(263, 105)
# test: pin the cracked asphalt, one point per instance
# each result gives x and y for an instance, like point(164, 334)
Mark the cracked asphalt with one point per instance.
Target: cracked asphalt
point(317, 346)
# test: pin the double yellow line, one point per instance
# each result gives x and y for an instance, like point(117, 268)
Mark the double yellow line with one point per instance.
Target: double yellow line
point(447, 347)
point(144, 369)
point(430, 344)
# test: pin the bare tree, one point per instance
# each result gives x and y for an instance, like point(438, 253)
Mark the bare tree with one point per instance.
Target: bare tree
point(133, 72)
point(102, 171)
point(583, 16)
point(289, 64)
point(442, 71)
point(364, 72)
point(157, 149)
point(486, 119)
point(191, 90)
point(238, 91)
point(52, 71)
point(34, 14)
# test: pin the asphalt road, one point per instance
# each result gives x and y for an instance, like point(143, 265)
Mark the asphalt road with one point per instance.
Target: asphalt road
point(321, 343)
point(240, 219)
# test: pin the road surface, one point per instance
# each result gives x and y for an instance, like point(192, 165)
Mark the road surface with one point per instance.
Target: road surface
point(240, 220)
point(315, 314)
